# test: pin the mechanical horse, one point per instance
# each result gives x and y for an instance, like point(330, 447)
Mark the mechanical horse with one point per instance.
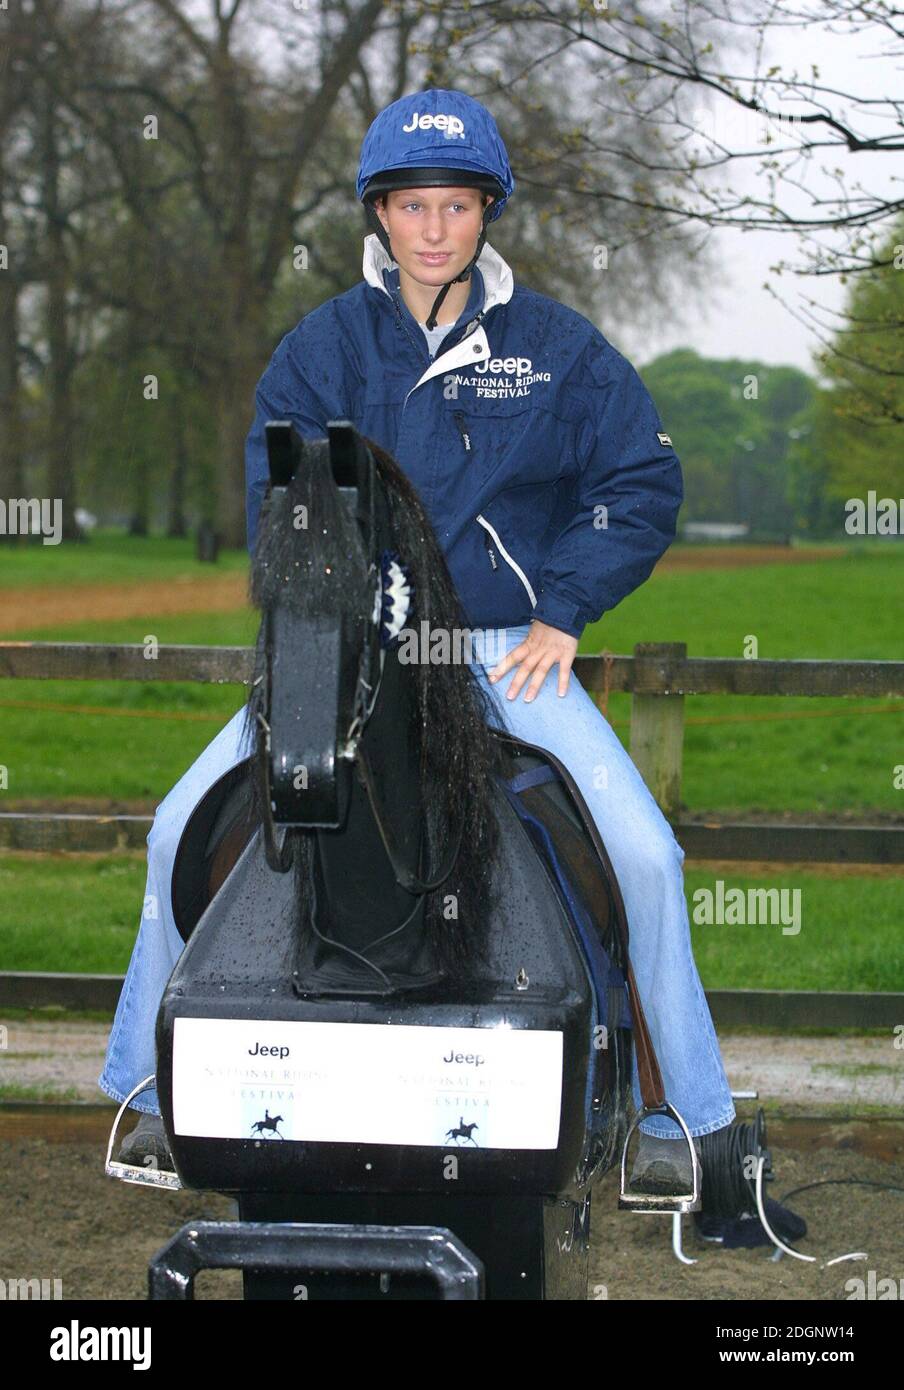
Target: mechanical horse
point(400, 1032)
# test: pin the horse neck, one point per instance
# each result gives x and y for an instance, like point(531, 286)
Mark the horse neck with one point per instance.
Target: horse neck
point(364, 900)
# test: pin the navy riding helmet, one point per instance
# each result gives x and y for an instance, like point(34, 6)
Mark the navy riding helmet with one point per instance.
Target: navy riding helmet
point(434, 139)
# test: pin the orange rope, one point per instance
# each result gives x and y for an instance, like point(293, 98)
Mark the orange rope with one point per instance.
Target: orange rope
point(106, 709)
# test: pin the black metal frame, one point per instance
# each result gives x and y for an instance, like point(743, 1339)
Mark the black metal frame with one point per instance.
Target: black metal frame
point(280, 1247)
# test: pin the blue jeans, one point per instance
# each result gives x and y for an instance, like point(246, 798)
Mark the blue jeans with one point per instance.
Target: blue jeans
point(645, 855)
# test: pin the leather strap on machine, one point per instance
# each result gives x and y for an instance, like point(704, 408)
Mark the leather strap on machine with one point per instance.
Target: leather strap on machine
point(404, 876)
point(649, 1076)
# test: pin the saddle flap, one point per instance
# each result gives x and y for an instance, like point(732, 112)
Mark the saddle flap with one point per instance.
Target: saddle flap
point(544, 802)
point(649, 1075)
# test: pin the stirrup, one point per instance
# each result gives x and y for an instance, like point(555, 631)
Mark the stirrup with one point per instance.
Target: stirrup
point(664, 1202)
point(134, 1172)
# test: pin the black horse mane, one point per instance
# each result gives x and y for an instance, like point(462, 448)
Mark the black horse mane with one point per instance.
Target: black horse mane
point(320, 569)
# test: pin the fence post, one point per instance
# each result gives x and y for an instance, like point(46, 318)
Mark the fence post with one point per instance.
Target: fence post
point(657, 725)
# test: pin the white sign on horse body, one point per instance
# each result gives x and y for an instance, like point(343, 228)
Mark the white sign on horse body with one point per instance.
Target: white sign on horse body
point(369, 1083)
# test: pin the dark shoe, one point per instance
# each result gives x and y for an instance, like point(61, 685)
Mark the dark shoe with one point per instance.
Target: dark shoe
point(147, 1140)
point(745, 1231)
point(663, 1166)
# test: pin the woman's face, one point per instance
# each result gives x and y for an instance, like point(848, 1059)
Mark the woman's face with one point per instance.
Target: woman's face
point(432, 220)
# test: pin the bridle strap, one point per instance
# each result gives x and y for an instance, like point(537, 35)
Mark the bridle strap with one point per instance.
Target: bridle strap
point(403, 875)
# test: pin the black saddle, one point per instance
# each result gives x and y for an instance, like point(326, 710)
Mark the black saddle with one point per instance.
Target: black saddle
point(550, 807)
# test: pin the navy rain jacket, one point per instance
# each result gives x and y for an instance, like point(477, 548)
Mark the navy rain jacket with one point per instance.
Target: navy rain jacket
point(534, 445)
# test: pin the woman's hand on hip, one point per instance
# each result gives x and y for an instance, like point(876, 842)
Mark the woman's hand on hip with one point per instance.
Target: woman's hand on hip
point(542, 648)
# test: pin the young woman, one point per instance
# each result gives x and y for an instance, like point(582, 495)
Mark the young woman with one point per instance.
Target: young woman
point(541, 460)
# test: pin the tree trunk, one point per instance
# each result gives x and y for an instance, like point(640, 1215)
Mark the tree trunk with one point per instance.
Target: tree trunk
point(12, 456)
point(246, 359)
point(176, 523)
point(234, 417)
point(60, 462)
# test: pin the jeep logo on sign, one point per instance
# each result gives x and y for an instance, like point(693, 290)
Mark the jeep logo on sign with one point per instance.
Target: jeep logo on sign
point(452, 125)
point(520, 366)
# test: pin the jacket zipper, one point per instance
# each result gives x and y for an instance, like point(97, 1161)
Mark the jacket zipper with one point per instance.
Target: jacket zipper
point(508, 558)
point(419, 347)
point(475, 322)
point(460, 422)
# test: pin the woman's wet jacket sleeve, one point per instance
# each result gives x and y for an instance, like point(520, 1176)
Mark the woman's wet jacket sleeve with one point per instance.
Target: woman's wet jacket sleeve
point(630, 492)
point(283, 393)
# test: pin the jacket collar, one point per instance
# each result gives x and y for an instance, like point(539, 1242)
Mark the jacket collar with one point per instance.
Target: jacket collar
point(498, 281)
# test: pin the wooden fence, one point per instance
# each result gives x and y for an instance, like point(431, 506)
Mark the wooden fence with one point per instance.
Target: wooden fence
point(658, 676)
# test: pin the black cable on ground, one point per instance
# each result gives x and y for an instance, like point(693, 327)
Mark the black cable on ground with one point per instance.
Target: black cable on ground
point(841, 1182)
point(729, 1158)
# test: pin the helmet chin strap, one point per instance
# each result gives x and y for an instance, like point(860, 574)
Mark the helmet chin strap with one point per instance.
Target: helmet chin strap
point(463, 275)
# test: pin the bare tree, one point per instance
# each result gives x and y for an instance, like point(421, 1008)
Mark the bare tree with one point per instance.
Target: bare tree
point(194, 93)
point(697, 78)
point(19, 39)
point(202, 170)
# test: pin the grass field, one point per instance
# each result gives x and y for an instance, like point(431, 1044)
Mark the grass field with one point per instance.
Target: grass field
point(80, 913)
point(131, 741)
point(755, 753)
point(109, 557)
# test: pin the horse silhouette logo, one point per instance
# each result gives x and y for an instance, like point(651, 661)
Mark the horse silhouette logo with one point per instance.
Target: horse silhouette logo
point(463, 1131)
point(268, 1124)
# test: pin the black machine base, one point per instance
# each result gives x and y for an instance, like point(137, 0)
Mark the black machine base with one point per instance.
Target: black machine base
point(530, 1247)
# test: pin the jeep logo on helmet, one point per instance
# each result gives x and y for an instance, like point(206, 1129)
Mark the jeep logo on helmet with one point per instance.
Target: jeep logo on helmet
point(519, 366)
point(452, 125)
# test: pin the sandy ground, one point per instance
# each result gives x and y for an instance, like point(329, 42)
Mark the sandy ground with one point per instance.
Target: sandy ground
point(61, 1217)
point(631, 1255)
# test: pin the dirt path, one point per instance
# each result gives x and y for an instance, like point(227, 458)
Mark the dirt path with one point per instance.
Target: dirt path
point(842, 1076)
point(55, 605)
point(730, 557)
